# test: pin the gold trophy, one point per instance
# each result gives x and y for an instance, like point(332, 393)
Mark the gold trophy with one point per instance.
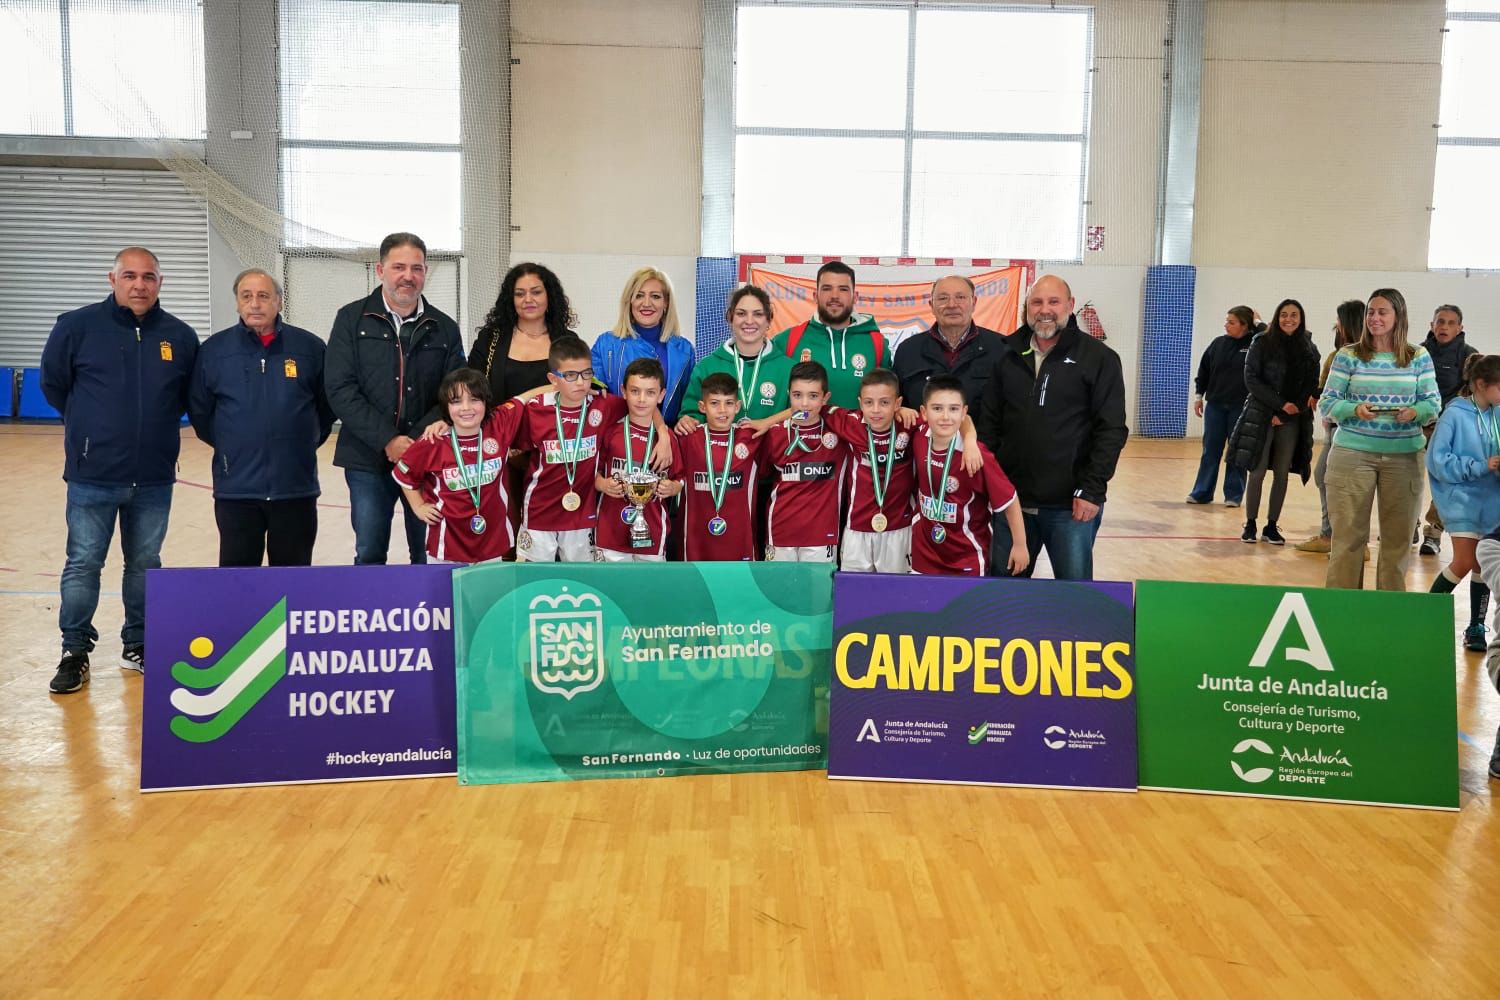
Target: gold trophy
point(640, 489)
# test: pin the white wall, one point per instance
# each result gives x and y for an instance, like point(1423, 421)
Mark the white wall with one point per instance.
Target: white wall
point(606, 146)
point(1317, 138)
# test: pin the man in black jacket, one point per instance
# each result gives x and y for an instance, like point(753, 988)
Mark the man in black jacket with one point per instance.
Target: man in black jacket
point(952, 346)
point(386, 356)
point(1449, 350)
point(1054, 415)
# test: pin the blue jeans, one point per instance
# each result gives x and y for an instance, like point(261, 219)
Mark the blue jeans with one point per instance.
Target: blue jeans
point(1218, 424)
point(1069, 543)
point(91, 512)
point(372, 495)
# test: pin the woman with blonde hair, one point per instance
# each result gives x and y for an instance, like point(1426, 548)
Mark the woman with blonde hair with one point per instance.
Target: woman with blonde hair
point(1380, 391)
point(647, 327)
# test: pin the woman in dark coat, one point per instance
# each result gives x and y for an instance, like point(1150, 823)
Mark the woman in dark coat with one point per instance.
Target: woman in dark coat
point(1275, 428)
point(531, 311)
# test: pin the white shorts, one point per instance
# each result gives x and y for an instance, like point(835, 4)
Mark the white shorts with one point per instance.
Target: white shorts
point(611, 556)
point(555, 546)
point(807, 553)
point(876, 551)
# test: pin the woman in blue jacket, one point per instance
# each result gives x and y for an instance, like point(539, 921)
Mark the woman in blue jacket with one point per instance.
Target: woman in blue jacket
point(1463, 463)
point(647, 327)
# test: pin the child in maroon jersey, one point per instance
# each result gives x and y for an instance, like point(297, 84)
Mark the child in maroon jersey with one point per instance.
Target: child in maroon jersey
point(626, 448)
point(718, 464)
point(951, 530)
point(877, 532)
point(802, 521)
point(562, 429)
point(455, 481)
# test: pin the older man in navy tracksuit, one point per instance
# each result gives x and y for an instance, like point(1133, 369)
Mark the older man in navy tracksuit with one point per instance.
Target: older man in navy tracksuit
point(118, 372)
point(257, 399)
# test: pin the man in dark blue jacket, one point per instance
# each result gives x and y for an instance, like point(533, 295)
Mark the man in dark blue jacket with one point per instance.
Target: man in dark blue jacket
point(386, 356)
point(118, 372)
point(257, 399)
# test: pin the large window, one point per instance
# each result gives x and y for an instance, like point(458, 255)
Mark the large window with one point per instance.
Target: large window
point(370, 122)
point(896, 130)
point(102, 68)
point(1466, 213)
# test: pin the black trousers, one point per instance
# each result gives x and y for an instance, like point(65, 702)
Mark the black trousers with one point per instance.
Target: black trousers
point(249, 529)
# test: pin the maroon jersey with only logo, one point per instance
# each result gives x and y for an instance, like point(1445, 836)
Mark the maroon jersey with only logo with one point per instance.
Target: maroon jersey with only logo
point(547, 473)
point(804, 509)
point(430, 468)
point(851, 427)
point(961, 507)
point(616, 516)
point(692, 463)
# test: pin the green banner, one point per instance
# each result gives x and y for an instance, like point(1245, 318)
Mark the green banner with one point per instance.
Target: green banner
point(1335, 695)
point(584, 670)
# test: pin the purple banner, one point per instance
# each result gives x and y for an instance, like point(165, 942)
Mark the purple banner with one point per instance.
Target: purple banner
point(273, 676)
point(1005, 682)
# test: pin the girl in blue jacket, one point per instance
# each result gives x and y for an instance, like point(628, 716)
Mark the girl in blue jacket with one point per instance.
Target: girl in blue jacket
point(1463, 462)
point(646, 328)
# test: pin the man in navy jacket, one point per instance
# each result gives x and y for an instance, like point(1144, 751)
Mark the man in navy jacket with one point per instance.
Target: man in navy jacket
point(118, 372)
point(953, 345)
point(257, 399)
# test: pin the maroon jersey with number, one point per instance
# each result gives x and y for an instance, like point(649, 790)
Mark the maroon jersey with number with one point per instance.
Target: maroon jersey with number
point(851, 427)
point(810, 463)
point(616, 516)
point(737, 542)
point(430, 468)
point(961, 507)
point(547, 472)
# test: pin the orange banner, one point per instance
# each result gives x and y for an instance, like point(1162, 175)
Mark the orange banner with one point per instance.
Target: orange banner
point(901, 308)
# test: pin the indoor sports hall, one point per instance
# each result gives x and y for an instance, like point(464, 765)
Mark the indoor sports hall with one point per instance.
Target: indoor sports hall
point(1170, 160)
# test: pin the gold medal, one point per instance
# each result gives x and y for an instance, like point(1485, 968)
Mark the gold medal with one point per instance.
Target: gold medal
point(878, 522)
point(571, 501)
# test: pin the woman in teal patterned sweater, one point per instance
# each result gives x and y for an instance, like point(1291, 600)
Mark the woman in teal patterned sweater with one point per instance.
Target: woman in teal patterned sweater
point(1380, 391)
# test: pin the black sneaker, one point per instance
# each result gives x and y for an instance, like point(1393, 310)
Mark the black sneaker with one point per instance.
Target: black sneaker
point(72, 673)
point(1248, 535)
point(133, 658)
point(1270, 534)
point(1495, 759)
point(1429, 547)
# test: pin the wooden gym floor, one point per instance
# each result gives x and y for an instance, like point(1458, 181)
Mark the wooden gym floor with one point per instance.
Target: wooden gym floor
point(753, 885)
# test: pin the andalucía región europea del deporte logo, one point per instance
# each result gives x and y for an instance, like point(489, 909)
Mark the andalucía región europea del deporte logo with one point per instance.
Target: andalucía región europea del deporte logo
point(215, 697)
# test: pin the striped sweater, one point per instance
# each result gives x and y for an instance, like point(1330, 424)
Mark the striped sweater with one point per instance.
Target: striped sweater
point(1381, 384)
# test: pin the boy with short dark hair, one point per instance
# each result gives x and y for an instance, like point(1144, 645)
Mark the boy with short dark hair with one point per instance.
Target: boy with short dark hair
point(626, 448)
point(562, 428)
point(951, 532)
point(802, 520)
point(718, 464)
point(455, 482)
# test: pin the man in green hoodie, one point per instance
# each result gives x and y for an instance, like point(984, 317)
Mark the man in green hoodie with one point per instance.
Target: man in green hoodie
point(847, 344)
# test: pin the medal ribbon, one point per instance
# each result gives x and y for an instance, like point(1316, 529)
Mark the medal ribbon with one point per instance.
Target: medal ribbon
point(746, 398)
point(467, 475)
point(937, 495)
point(1489, 432)
point(797, 443)
point(562, 439)
point(630, 465)
point(890, 458)
point(718, 488)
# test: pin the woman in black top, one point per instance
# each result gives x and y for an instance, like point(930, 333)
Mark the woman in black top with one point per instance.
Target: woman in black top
point(531, 311)
point(1275, 428)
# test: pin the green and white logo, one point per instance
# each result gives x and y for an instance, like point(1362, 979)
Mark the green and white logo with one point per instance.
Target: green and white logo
point(1253, 775)
point(222, 692)
point(567, 643)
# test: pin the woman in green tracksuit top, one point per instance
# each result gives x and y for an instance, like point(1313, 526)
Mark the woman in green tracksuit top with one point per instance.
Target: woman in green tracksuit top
point(748, 357)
